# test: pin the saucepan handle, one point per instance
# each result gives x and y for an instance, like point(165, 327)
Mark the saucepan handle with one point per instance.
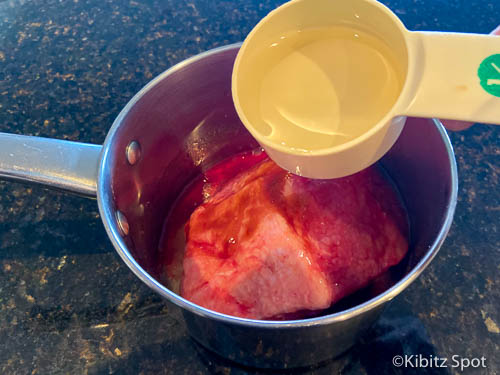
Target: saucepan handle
point(58, 164)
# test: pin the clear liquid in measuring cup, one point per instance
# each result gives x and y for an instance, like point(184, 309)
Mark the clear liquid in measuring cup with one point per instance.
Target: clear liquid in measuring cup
point(322, 87)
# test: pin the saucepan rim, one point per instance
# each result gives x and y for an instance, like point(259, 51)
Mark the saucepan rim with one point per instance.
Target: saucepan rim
point(107, 211)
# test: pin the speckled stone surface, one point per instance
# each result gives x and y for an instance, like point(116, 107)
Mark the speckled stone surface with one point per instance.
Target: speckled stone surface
point(69, 305)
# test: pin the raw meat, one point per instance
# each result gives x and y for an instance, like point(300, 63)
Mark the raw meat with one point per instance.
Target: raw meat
point(267, 243)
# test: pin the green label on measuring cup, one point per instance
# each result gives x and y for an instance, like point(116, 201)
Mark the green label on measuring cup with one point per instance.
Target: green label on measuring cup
point(489, 74)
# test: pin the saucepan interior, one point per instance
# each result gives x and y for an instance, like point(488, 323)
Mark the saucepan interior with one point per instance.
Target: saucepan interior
point(183, 122)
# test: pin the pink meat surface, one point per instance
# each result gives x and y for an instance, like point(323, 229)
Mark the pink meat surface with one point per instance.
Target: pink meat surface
point(268, 243)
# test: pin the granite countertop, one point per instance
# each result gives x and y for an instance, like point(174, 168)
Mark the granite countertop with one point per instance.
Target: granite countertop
point(69, 305)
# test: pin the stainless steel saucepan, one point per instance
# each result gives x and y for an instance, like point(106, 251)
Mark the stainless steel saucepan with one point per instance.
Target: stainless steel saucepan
point(180, 123)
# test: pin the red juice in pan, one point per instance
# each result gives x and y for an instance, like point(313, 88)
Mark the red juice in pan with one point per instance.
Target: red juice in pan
point(252, 240)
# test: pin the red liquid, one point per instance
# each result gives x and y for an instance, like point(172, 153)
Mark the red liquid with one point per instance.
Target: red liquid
point(266, 244)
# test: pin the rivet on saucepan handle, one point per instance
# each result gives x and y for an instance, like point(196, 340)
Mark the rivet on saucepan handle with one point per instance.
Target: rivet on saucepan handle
point(133, 152)
point(122, 223)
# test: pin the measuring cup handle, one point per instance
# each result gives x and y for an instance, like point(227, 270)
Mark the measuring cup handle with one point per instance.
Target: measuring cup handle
point(63, 165)
point(454, 76)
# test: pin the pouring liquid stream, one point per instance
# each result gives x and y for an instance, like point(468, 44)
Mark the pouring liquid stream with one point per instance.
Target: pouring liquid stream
point(322, 87)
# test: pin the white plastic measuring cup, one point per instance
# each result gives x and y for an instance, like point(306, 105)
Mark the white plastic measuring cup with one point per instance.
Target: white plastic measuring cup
point(446, 75)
